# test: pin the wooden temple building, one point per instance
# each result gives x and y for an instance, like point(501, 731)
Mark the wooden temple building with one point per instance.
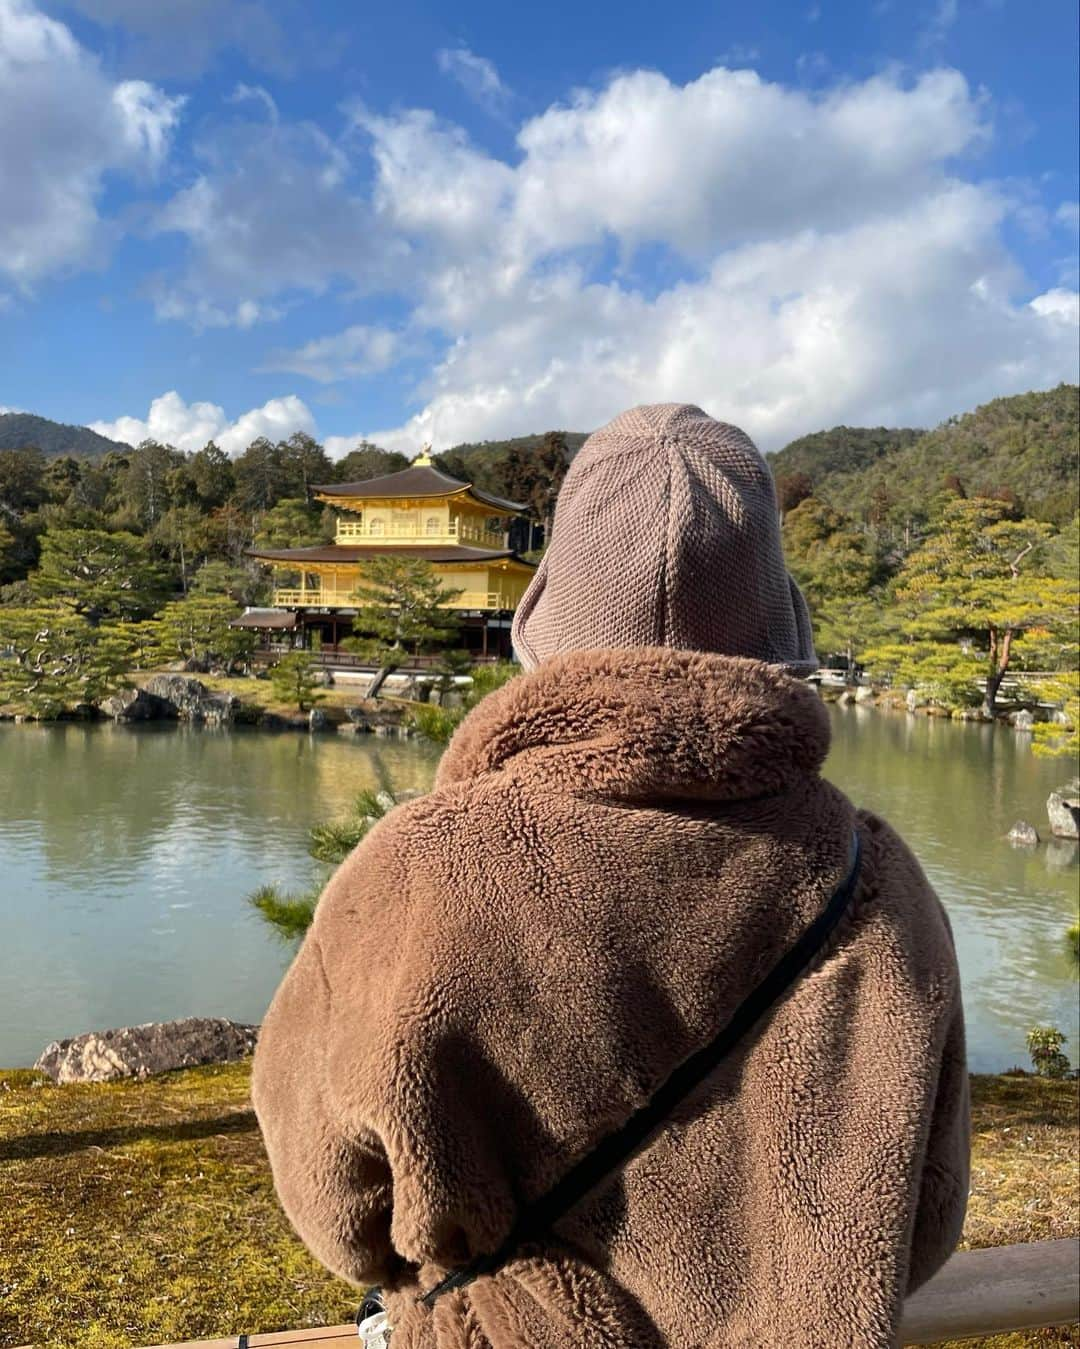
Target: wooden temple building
point(462, 531)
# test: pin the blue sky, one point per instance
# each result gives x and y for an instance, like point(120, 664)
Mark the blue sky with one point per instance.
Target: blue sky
point(238, 217)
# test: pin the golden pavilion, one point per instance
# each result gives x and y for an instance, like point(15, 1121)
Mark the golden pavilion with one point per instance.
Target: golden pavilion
point(462, 531)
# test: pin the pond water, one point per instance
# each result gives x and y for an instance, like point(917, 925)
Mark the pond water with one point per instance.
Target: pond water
point(126, 854)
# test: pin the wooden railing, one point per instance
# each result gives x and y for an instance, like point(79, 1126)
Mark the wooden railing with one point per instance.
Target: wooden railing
point(456, 531)
point(320, 597)
point(329, 658)
point(988, 1292)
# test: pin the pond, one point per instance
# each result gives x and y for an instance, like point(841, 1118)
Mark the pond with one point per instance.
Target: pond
point(126, 854)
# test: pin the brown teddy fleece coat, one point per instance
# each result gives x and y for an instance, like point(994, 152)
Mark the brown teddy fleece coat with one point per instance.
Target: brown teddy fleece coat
point(617, 848)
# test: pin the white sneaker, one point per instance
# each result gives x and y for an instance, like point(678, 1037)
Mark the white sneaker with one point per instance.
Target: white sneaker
point(374, 1331)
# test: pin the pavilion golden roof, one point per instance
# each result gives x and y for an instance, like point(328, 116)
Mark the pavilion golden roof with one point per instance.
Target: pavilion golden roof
point(420, 481)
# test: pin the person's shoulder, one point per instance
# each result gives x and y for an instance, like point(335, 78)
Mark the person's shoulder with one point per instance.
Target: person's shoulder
point(902, 890)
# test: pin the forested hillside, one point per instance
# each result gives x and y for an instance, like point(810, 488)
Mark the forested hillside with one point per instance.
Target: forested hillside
point(1026, 447)
point(18, 429)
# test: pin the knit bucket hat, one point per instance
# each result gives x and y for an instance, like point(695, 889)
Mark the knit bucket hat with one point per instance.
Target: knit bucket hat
point(666, 533)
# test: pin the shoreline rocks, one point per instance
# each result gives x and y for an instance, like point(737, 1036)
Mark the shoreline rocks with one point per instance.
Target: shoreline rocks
point(142, 1051)
point(192, 700)
point(1063, 810)
point(136, 705)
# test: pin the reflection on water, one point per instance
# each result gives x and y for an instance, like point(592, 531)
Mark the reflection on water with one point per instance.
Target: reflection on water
point(954, 791)
point(125, 854)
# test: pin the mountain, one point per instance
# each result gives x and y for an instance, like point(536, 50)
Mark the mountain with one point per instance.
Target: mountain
point(1027, 445)
point(20, 429)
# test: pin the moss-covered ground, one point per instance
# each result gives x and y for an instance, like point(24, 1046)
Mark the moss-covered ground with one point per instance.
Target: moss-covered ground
point(137, 1213)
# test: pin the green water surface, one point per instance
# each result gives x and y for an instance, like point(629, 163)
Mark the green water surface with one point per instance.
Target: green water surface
point(126, 853)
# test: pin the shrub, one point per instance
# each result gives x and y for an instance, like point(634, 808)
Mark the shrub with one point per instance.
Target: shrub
point(1044, 1045)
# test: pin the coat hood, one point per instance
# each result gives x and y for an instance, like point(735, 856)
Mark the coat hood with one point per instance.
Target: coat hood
point(666, 534)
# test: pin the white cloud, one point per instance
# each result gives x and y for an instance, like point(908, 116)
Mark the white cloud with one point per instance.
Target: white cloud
point(255, 93)
point(359, 350)
point(731, 157)
point(941, 23)
point(63, 127)
point(1068, 215)
point(476, 75)
point(822, 257)
point(272, 211)
point(740, 54)
point(183, 37)
point(1060, 304)
point(188, 426)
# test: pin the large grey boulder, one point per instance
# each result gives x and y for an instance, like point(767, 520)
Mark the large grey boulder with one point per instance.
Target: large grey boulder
point(1063, 808)
point(136, 705)
point(317, 720)
point(864, 694)
point(1022, 720)
point(192, 700)
point(141, 1051)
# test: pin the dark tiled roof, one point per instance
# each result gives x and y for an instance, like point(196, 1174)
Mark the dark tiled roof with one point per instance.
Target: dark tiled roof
point(344, 552)
point(421, 480)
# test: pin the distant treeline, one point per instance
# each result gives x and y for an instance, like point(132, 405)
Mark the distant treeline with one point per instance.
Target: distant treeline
point(940, 560)
point(205, 506)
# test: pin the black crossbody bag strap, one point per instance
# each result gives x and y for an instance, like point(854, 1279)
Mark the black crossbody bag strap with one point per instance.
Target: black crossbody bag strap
point(617, 1148)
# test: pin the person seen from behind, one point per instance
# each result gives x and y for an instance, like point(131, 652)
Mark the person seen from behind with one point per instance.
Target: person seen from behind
point(634, 1032)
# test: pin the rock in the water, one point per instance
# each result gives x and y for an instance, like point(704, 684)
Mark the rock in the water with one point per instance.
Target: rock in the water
point(1063, 808)
point(317, 720)
point(912, 700)
point(192, 700)
point(1023, 720)
point(864, 694)
point(136, 705)
point(141, 1051)
point(1024, 835)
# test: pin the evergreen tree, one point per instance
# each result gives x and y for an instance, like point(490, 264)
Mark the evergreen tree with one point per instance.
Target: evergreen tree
point(262, 477)
point(196, 628)
point(101, 575)
point(369, 461)
point(329, 843)
point(294, 523)
point(58, 659)
point(212, 473)
point(965, 596)
point(293, 678)
point(401, 609)
point(145, 484)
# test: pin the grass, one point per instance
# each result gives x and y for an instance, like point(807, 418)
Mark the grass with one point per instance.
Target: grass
point(136, 1213)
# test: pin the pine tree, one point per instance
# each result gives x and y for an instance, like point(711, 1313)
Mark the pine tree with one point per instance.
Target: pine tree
point(57, 659)
point(293, 678)
point(966, 595)
point(196, 628)
point(401, 610)
point(101, 575)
